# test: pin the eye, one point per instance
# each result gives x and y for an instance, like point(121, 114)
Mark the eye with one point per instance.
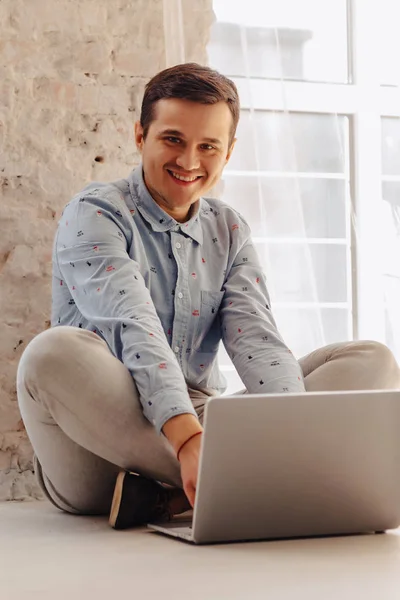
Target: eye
point(207, 147)
point(172, 139)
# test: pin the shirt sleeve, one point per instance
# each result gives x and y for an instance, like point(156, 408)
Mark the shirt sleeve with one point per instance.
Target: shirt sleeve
point(91, 249)
point(249, 332)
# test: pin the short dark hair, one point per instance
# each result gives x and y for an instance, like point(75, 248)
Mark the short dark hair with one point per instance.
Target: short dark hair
point(190, 81)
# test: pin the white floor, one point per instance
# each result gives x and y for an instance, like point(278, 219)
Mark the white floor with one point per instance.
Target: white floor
point(49, 555)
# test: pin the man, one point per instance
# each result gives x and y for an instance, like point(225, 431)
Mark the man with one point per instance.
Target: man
point(148, 277)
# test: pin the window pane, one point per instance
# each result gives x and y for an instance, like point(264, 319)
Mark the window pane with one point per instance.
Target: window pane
point(387, 42)
point(390, 227)
point(392, 323)
point(305, 330)
point(390, 253)
point(289, 39)
point(305, 272)
point(391, 196)
point(388, 231)
point(390, 146)
point(289, 207)
point(277, 141)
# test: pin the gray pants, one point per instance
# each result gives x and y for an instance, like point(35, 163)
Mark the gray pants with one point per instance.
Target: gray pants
point(84, 419)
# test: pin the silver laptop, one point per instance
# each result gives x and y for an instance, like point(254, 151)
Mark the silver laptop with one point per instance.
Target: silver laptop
point(296, 465)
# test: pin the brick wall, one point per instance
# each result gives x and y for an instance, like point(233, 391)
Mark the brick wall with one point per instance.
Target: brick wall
point(72, 74)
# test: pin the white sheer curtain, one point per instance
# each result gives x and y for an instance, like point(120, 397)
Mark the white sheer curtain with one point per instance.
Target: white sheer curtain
point(316, 169)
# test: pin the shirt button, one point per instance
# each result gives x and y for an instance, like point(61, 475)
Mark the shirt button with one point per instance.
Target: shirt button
point(177, 245)
point(176, 349)
point(180, 295)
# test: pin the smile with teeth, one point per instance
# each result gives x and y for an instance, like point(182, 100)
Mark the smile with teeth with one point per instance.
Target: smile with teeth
point(182, 178)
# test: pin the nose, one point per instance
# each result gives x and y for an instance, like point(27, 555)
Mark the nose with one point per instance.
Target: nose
point(188, 159)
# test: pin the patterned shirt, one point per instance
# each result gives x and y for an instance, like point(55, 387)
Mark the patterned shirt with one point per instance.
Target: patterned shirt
point(163, 294)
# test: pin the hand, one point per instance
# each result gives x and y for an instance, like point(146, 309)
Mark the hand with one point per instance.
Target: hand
point(189, 460)
point(178, 430)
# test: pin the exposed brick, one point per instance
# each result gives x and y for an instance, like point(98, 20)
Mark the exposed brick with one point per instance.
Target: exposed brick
point(72, 75)
point(5, 460)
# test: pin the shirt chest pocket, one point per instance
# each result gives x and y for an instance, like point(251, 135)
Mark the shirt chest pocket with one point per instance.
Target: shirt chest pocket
point(208, 332)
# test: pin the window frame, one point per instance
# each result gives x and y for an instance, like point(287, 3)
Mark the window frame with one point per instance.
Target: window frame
point(364, 101)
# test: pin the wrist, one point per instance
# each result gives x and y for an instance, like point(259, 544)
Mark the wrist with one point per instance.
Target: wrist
point(187, 444)
point(179, 429)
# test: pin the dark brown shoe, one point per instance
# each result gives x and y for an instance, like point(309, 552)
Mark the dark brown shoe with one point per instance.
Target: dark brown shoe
point(137, 501)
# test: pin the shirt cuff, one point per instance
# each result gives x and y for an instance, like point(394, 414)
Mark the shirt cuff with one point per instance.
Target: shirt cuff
point(165, 409)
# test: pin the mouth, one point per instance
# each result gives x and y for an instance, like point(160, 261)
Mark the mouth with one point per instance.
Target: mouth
point(183, 180)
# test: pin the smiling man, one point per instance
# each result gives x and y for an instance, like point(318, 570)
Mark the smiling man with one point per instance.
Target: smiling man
point(149, 275)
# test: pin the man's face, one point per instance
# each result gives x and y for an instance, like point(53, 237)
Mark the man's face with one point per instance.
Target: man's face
point(184, 153)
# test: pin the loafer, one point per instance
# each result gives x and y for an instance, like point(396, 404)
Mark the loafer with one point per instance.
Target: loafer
point(137, 501)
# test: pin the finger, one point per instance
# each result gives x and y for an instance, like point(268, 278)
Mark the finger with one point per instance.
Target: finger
point(187, 492)
point(190, 493)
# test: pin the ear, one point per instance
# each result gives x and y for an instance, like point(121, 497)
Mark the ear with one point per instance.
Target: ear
point(230, 151)
point(139, 138)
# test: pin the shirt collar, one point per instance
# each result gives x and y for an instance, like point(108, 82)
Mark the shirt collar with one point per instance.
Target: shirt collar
point(157, 218)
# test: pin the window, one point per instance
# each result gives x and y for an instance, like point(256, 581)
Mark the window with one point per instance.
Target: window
point(290, 39)
point(316, 168)
point(391, 227)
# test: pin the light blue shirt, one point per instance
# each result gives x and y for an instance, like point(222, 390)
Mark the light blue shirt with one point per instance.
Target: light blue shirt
point(163, 294)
